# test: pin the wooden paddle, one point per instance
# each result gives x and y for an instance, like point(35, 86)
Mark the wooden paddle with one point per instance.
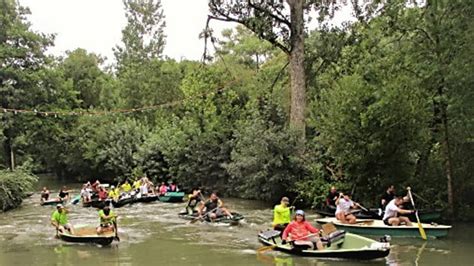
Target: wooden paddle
point(115, 229)
point(202, 217)
point(265, 248)
point(420, 228)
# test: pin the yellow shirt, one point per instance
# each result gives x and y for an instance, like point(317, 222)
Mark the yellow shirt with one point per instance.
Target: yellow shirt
point(281, 215)
point(136, 184)
point(126, 187)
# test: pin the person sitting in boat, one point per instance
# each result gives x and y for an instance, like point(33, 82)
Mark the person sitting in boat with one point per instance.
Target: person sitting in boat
point(126, 187)
point(114, 193)
point(136, 185)
point(85, 194)
point(107, 220)
point(144, 189)
point(173, 187)
point(213, 208)
point(163, 189)
point(59, 219)
point(44, 194)
point(194, 199)
point(103, 194)
point(392, 210)
point(301, 233)
point(282, 214)
point(343, 209)
point(95, 186)
point(64, 194)
point(331, 198)
point(388, 196)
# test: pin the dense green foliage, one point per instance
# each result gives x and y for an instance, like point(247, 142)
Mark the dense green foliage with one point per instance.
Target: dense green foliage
point(389, 101)
point(14, 187)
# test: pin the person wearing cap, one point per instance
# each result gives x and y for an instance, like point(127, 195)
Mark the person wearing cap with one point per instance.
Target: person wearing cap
point(107, 220)
point(301, 233)
point(343, 209)
point(281, 215)
point(59, 219)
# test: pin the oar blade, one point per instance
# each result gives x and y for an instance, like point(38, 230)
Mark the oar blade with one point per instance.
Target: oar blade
point(265, 248)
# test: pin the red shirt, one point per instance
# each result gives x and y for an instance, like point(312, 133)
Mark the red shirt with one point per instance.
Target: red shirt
point(102, 194)
point(299, 230)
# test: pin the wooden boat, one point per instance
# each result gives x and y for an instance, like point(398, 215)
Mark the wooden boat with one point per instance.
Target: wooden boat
point(172, 197)
point(378, 228)
point(87, 234)
point(337, 244)
point(225, 220)
point(51, 202)
point(123, 201)
point(148, 198)
point(426, 216)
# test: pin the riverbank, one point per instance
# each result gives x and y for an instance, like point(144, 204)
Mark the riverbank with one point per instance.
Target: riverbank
point(14, 187)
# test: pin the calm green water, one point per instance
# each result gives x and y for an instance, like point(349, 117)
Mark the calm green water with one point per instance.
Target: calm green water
point(151, 234)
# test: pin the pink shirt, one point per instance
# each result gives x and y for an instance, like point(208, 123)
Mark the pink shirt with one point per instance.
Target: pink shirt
point(163, 189)
point(299, 230)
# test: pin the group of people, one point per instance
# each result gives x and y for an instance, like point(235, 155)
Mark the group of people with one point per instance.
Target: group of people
point(139, 187)
point(107, 220)
point(63, 194)
point(394, 207)
point(212, 207)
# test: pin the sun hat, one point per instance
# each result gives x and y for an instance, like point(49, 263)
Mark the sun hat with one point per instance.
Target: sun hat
point(299, 212)
point(59, 206)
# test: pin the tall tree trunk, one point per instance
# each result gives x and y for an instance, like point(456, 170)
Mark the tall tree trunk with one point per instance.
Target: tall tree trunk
point(297, 73)
point(447, 157)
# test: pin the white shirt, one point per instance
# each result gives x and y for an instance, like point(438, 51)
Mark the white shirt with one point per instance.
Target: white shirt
point(344, 205)
point(144, 189)
point(391, 210)
point(85, 193)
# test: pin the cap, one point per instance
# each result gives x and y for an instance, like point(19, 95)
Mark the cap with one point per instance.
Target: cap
point(300, 212)
point(59, 206)
point(285, 199)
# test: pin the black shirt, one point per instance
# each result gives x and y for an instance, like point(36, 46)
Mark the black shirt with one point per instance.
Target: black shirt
point(331, 198)
point(63, 194)
point(211, 205)
point(387, 197)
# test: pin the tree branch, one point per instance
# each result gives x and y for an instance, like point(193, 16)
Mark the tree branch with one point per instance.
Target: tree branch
point(269, 13)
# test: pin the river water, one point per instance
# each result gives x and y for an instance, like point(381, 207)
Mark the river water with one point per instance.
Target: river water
point(152, 234)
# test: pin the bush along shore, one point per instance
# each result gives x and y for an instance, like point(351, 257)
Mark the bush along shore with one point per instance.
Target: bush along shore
point(14, 187)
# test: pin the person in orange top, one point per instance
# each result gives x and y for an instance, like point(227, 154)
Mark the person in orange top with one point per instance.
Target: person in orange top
point(301, 232)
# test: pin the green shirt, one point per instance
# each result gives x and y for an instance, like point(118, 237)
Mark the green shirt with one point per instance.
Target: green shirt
point(104, 219)
point(60, 218)
point(281, 215)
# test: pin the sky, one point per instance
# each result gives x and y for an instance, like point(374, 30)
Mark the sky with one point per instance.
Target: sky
point(96, 25)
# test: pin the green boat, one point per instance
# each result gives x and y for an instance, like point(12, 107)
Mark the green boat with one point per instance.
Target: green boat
point(171, 197)
point(87, 234)
point(51, 202)
point(223, 220)
point(378, 228)
point(338, 244)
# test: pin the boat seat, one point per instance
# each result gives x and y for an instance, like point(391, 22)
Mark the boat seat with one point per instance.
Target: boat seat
point(336, 237)
point(269, 234)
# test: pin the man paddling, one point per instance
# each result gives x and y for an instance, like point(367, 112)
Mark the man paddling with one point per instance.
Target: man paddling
point(343, 209)
point(194, 199)
point(107, 220)
point(213, 208)
point(59, 219)
point(392, 211)
point(44, 194)
point(281, 215)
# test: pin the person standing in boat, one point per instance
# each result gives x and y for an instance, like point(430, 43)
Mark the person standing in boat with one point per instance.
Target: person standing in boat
point(107, 219)
point(194, 199)
point(331, 198)
point(282, 215)
point(60, 221)
point(343, 209)
point(213, 208)
point(302, 233)
point(388, 196)
point(44, 194)
point(392, 211)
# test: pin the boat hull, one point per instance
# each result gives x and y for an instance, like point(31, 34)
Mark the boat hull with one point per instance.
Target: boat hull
point(378, 228)
point(147, 199)
point(426, 216)
point(237, 217)
point(123, 202)
point(51, 202)
point(359, 248)
point(172, 197)
point(87, 234)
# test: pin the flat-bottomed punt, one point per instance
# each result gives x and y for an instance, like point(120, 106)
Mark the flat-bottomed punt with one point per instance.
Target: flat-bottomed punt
point(338, 244)
point(378, 228)
point(87, 234)
point(51, 202)
point(426, 216)
point(172, 197)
